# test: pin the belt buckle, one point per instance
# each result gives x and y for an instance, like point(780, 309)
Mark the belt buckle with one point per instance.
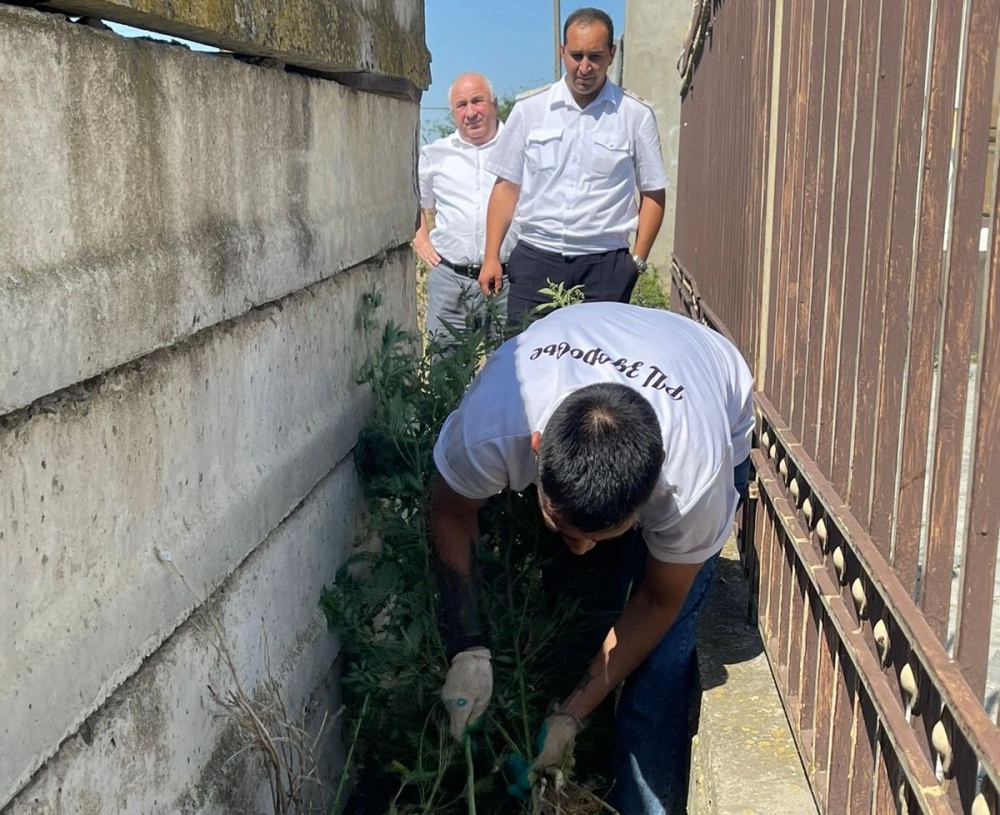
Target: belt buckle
point(472, 271)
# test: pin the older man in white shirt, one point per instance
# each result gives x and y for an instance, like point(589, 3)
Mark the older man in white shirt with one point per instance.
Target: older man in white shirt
point(455, 184)
point(569, 162)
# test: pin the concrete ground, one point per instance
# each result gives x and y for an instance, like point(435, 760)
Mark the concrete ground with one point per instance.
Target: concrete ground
point(743, 758)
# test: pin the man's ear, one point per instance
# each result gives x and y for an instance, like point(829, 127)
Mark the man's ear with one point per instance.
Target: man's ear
point(663, 455)
point(536, 442)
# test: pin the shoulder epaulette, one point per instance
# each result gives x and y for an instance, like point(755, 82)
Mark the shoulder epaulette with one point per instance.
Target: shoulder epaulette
point(637, 98)
point(532, 92)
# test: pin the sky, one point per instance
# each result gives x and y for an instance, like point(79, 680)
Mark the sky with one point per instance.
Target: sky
point(510, 42)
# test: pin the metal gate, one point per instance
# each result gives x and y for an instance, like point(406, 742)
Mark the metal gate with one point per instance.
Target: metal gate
point(837, 217)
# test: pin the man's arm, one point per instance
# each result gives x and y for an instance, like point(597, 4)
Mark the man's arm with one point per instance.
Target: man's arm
point(648, 616)
point(651, 206)
point(454, 531)
point(499, 215)
point(469, 684)
point(422, 243)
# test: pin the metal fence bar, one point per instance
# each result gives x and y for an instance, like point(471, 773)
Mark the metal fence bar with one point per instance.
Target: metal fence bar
point(790, 115)
point(857, 231)
point(805, 230)
point(762, 52)
point(808, 681)
point(841, 752)
point(796, 637)
point(838, 241)
point(959, 292)
point(866, 728)
point(795, 274)
point(825, 676)
point(899, 286)
point(945, 40)
point(871, 351)
point(818, 261)
point(977, 586)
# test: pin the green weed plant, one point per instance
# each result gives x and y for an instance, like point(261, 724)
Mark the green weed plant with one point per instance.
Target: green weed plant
point(402, 758)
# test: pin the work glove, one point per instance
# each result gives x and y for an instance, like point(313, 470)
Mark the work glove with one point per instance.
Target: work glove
point(555, 745)
point(467, 689)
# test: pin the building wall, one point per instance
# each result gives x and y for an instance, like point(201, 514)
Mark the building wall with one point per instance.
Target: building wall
point(654, 33)
point(186, 243)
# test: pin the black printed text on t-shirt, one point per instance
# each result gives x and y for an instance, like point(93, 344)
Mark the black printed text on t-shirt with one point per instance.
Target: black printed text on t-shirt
point(654, 377)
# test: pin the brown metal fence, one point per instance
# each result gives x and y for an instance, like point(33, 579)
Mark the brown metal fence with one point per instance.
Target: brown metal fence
point(837, 217)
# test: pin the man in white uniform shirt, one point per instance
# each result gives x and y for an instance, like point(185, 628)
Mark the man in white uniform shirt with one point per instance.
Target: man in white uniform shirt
point(620, 417)
point(569, 162)
point(454, 182)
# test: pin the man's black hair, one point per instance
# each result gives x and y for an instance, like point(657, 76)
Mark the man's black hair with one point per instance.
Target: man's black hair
point(586, 16)
point(600, 456)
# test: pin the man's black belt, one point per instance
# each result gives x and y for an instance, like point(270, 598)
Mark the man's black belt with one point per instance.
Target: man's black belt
point(468, 270)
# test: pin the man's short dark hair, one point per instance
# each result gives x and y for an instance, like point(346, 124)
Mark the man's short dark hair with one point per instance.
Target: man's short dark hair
point(600, 456)
point(586, 16)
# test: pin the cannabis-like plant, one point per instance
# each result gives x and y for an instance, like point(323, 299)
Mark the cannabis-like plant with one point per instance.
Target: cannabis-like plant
point(383, 605)
point(401, 757)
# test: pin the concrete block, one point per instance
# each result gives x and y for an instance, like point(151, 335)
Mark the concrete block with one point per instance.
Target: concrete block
point(159, 744)
point(147, 192)
point(743, 757)
point(654, 30)
point(377, 38)
point(197, 451)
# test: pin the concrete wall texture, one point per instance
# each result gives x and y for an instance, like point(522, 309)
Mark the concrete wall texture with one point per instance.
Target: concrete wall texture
point(654, 33)
point(381, 40)
point(185, 244)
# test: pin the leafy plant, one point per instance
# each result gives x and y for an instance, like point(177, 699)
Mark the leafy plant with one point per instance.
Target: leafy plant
point(383, 606)
point(649, 291)
point(559, 297)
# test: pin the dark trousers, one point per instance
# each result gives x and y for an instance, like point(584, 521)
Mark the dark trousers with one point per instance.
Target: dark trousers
point(608, 276)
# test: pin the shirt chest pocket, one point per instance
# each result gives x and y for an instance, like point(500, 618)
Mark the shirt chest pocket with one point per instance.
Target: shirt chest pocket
point(611, 153)
point(541, 152)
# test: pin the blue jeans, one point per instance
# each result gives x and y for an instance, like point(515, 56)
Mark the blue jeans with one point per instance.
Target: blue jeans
point(650, 758)
point(651, 755)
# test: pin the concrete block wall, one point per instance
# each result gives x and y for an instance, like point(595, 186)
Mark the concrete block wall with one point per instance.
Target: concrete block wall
point(654, 34)
point(185, 244)
point(364, 43)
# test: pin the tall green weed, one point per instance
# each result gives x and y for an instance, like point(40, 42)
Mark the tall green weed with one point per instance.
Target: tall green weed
point(383, 604)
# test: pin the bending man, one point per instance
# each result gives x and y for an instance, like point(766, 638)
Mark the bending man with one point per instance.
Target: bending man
point(622, 417)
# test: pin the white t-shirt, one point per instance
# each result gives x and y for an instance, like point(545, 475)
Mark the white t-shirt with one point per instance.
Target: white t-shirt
point(579, 169)
point(695, 379)
point(454, 181)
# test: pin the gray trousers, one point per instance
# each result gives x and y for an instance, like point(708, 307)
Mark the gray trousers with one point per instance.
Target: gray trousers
point(453, 299)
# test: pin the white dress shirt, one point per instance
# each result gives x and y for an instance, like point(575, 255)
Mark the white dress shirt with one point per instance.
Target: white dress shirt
point(579, 168)
point(696, 381)
point(454, 181)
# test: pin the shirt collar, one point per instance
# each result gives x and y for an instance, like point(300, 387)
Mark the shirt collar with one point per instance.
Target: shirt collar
point(458, 141)
point(610, 95)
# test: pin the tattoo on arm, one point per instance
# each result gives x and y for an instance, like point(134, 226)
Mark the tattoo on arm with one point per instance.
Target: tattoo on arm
point(458, 608)
point(585, 681)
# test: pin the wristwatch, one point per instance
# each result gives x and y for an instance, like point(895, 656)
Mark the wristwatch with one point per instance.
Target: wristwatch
point(640, 263)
